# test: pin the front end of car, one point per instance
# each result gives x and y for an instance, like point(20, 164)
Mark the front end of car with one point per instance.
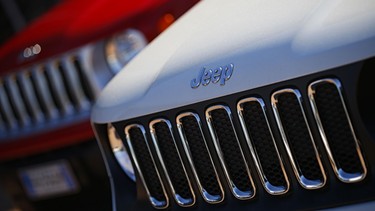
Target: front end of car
point(246, 105)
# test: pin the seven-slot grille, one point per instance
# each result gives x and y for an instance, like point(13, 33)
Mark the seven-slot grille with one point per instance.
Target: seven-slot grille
point(221, 139)
point(34, 97)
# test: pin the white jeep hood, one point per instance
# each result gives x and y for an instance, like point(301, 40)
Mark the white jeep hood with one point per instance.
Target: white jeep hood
point(266, 41)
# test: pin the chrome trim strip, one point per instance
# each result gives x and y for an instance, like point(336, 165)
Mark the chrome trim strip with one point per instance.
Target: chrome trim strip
point(96, 77)
point(6, 108)
point(45, 92)
point(235, 191)
point(15, 96)
point(119, 151)
point(212, 199)
point(155, 203)
point(271, 189)
point(75, 84)
point(27, 88)
point(341, 175)
point(58, 87)
point(181, 201)
point(304, 182)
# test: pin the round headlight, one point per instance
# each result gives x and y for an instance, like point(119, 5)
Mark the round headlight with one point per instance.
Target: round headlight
point(122, 47)
point(120, 152)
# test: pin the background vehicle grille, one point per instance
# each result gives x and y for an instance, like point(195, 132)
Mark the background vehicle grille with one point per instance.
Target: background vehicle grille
point(32, 98)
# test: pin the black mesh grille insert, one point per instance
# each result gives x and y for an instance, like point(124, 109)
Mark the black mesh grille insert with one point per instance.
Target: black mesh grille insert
point(337, 128)
point(201, 158)
point(146, 164)
point(262, 140)
point(173, 162)
point(297, 134)
point(231, 151)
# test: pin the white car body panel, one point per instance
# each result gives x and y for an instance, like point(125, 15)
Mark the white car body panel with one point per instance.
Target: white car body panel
point(266, 41)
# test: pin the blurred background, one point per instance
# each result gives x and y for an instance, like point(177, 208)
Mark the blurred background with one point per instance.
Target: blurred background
point(16, 14)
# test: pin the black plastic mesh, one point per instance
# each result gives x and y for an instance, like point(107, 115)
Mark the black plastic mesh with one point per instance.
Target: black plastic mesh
point(172, 160)
point(200, 156)
point(145, 164)
point(235, 163)
point(261, 138)
point(336, 127)
point(298, 136)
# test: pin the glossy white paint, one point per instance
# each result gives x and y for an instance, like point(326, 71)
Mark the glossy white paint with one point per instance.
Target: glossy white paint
point(266, 41)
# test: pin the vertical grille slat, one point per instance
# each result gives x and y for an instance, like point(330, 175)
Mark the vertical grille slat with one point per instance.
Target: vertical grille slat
point(16, 101)
point(67, 82)
point(145, 164)
point(297, 138)
point(56, 83)
point(43, 93)
point(336, 130)
point(171, 161)
point(230, 153)
point(84, 79)
point(6, 109)
point(28, 93)
point(72, 74)
point(189, 126)
point(262, 145)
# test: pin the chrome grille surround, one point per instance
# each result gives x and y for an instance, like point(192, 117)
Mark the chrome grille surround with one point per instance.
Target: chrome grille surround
point(206, 194)
point(163, 201)
point(183, 195)
point(341, 173)
point(308, 183)
point(249, 190)
point(255, 151)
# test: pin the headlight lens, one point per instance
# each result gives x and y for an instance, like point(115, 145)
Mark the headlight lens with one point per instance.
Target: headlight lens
point(120, 152)
point(122, 47)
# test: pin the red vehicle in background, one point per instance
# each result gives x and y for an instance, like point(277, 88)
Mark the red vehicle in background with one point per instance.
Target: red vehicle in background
point(50, 75)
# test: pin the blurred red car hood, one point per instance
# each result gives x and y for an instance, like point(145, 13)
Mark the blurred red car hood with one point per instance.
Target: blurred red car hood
point(72, 23)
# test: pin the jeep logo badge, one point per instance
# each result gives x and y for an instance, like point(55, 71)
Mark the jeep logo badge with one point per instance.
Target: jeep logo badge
point(206, 76)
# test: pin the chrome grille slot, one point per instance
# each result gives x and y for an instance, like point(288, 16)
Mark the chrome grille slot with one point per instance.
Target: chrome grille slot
point(84, 79)
point(336, 130)
point(194, 142)
point(16, 102)
point(145, 164)
point(43, 93)
point(170, 159)
point(2, 120)
point(6, 109)
point(262, 145)
point(74, 83)
point(66, 81)
point(229, 150)
point(28, 94)
point(56, 84)
point(297, 137)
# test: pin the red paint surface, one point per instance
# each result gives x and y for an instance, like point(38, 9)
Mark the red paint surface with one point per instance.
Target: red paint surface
point(76, 22)
point(51, 140)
